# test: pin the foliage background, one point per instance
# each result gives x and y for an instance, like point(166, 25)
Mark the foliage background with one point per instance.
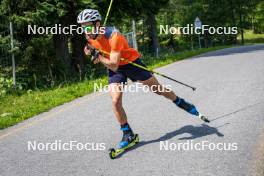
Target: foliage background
point(47, 61)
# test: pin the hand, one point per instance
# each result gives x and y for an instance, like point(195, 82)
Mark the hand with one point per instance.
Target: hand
point(87, 50)
point(95, 54)
point(97, 60)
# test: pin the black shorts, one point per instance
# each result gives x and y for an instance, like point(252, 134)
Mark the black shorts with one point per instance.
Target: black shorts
point(129, 71)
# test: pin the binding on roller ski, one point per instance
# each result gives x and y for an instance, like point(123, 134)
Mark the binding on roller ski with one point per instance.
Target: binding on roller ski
point(113, 153)
point(112, 50)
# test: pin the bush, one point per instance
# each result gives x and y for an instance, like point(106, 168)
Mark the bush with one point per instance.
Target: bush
point(6, 86)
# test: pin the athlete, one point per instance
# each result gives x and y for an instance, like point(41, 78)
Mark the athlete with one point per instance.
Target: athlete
point(114, 43)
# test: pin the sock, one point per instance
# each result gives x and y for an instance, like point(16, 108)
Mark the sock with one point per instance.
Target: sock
point(126, 128)
point(177, 101)
point(180, 102)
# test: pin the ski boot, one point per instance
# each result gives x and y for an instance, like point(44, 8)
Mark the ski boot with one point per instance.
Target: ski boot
point(129, 139)
point(190, 108)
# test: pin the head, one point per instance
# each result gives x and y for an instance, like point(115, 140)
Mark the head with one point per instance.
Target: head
point(90, 20)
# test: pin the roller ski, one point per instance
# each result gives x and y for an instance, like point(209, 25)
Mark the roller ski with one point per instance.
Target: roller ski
point(190, 108)
point(129, 140)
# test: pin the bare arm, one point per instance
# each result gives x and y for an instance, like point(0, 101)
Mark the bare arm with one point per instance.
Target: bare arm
point(113, 62)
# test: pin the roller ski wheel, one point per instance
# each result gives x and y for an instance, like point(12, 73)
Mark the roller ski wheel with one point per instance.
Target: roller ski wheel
point(113, 153)
point(202, 117)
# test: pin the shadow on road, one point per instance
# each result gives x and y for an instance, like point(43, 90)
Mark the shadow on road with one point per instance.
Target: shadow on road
point(193, 131)
point(235, 50)
point(237, 111)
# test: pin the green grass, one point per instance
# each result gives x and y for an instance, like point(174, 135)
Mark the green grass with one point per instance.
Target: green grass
point(157, 62)
point(16, 108)
point(251, 38)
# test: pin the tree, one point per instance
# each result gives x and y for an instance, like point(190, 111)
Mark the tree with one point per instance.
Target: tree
point(58, 61)
point(136, 9)
point(258, 18)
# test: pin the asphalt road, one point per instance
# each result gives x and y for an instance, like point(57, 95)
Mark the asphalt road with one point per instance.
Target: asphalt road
point(230, 92)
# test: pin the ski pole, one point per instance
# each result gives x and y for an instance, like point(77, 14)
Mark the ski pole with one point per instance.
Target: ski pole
point(135, 64)
point(145, 68)
point(158, 73)
point(107, 14)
